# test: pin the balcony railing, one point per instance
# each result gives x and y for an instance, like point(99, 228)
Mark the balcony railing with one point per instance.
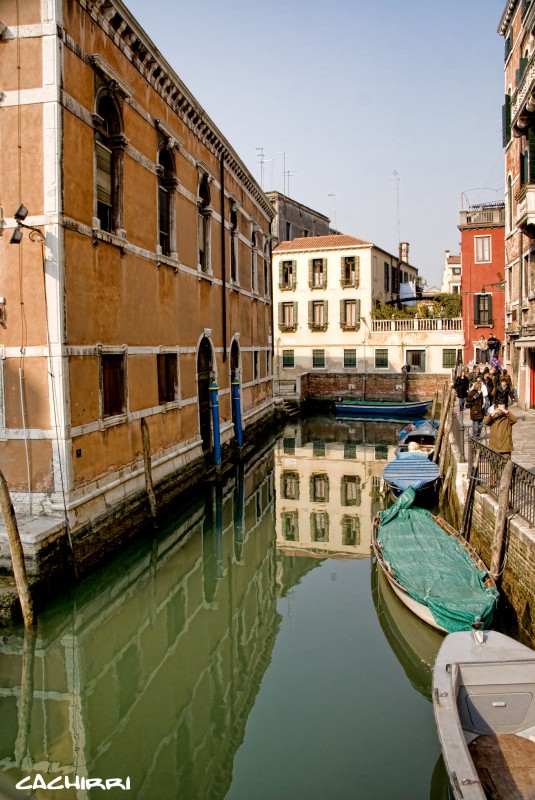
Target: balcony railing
point(525, 209)
point(416, 324)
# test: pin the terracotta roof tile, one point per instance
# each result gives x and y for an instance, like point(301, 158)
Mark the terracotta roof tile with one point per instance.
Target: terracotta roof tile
point(320, 243)
point(454, 259)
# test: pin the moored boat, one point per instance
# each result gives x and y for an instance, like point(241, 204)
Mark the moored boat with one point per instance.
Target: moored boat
point(413, 470)
point(484, 705)
point(382, 409)
point(432, 568)
point(423, 433)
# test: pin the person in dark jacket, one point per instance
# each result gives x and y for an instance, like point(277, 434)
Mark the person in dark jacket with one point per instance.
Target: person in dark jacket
point(494, 346)
point(474, 401)
point(461, 385)
point(503, 394)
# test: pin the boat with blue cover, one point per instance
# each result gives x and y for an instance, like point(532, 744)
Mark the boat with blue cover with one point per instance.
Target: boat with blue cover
point(432, 568)
point(413, 469)
point(381, 409)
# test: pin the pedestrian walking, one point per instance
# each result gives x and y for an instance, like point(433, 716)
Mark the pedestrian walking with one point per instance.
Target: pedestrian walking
point(461, 385)
point(483, 350)
point(474, 401)
point(494, 346)
point(503, 394)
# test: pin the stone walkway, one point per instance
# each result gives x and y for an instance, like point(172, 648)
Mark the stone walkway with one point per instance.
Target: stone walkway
point(523, 436)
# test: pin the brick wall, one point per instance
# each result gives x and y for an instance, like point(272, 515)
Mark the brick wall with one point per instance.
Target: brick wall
point(328, 386)
point(516, 610)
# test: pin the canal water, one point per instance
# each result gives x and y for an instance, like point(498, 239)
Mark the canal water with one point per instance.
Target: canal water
point(248, 650)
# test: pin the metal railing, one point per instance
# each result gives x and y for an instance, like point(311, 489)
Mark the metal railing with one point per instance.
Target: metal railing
point(522, 491)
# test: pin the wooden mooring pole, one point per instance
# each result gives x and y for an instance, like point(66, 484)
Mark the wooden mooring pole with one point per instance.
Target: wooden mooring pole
point(148, 467)
point(470, 495)
point(501, 519)
point(17, 554)
point(443, 414)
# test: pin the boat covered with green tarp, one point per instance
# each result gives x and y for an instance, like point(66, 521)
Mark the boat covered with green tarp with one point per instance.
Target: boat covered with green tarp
point(432, 569)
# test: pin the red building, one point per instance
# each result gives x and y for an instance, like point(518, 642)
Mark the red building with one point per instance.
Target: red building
point(482, 281)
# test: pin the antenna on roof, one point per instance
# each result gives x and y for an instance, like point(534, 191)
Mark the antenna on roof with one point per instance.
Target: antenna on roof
point(397, 179)
point(260, 151)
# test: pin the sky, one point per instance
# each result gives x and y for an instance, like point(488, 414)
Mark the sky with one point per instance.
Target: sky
point(385, 116)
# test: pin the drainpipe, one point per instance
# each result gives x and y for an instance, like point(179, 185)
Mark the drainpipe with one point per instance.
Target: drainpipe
point(214, 405)
point(223, 258)
point(236, 404)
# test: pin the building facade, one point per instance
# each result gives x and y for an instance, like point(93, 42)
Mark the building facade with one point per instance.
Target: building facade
point(482, 280)
point(293, 220)
point(516, 26)
point(324, 290)
point(135, 264)
point(451, 278)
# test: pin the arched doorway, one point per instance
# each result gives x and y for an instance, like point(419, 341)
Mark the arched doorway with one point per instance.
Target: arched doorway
point(204, 370)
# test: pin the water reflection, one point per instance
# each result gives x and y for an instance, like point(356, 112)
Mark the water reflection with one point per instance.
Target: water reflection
point(232, 655)
point(153, 670)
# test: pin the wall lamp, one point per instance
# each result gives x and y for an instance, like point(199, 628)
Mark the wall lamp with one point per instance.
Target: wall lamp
point(35, 234)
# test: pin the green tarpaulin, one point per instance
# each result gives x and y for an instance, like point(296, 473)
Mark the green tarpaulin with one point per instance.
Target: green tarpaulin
point(434, 568)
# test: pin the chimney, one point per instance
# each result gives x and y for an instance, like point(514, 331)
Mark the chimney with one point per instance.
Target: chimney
point(404, 252)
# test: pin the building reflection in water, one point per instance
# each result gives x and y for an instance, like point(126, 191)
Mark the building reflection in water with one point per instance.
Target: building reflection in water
point(328, 475)
point(153, 668)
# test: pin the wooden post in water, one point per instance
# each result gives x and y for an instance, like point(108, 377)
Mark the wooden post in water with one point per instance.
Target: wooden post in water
point(445, 485)
point(470, 494)
point(447, 428)
point(434, 407)
point(26, 696)
point(147, 466)
point(501, 518)
point(443, 412)
point(17, 554)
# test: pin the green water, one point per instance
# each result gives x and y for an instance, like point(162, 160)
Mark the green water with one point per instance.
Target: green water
point(231, 656)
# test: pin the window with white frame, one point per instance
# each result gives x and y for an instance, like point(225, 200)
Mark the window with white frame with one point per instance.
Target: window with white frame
point(482, 248)
point(483, 309)
point(287, 275)
point(416, 360)
point(317, 315)
point(350, 314)
point(381, 358)
point(318, 359)
point(113, 384)
point(350, 358)
point(287, 316)
point(350, 271)
point(288, 359)
point(317, 273)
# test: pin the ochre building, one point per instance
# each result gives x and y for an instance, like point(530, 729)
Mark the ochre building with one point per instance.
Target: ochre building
point(135, 265)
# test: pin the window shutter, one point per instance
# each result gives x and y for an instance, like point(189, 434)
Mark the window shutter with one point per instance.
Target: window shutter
point(281, 314)
point(476, 309)
point(281, 274)
point(531, 150)
point(294, 274)
point(325, 272)
point(342, 270)
point(357, 272)
point(310, 312)
point(310, 272)
point(325, 312)
point(357, 311)
point(489, 298)
point(104, 183)
point(506, 120)
point(343, 312)
point(294, 320)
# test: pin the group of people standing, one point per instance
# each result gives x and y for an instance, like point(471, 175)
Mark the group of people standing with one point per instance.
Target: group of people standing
point(487, 392)
point(488, 351)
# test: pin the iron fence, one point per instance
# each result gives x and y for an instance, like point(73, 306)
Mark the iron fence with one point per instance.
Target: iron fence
point(522, 490)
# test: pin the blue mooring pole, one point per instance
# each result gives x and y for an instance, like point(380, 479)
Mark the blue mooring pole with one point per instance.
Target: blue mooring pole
point(237, 410)
point(214, 405)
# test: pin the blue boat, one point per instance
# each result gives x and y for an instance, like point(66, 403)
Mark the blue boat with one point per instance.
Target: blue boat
point(381, 409)
point(413, 469)
point(423, 433)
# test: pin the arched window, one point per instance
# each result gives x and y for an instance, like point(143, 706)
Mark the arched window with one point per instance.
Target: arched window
point(266, 270)
point(167, 184)
point(204, 217)
point(109, 149)
point(234, 245)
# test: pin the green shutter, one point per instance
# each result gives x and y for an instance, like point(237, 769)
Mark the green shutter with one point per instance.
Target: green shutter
point(281, 314)
point(342, 312)
point(311, 272)
point(295, 315)
point(490, 309)
point(476, 309)
point(325, 313)
point(357, 272)
point(325, 272)
point(531, 156)
point(281, 274)
point(506, 120)
point(310, 312)
point(357, 311)
point(104, 182)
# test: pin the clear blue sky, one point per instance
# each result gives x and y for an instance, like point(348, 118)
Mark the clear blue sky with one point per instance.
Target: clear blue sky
point(353, 91)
